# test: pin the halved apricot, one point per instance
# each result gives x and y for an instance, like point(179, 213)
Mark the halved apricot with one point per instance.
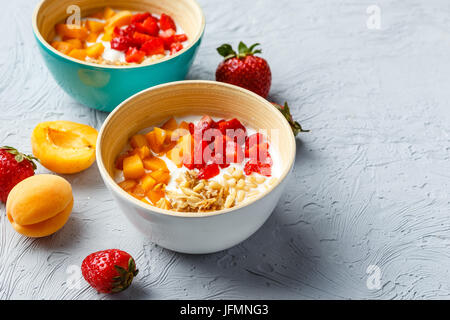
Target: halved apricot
point(64, 146)
point(119, 19)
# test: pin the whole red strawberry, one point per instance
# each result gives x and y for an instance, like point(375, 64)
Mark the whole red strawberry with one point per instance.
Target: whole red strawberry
point(14, 167)
point(244, 69)
point(109, 271)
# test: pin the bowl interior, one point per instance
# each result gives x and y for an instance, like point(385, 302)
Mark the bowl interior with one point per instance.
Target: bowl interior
point(153, 106)
point(187, 13)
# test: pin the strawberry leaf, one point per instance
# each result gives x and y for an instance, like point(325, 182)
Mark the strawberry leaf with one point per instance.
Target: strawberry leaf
point(19, 157)
point(226, 51)
point(295, 126)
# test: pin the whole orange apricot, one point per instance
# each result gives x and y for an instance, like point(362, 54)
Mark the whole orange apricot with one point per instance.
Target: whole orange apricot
point(64, 146)
point(39, 205)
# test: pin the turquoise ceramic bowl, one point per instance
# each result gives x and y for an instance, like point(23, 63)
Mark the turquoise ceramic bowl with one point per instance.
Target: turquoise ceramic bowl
point(104, 87)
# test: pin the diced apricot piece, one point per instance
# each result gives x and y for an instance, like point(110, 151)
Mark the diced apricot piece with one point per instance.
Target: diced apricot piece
point(108, 34)
point(62, 46)
point(76, 43)
point(155, 163)
point(71, 31)
point(160, 135)
point(92, 37)
point(147, 182)
point(127, 185)
point(108, 13)
point(95, 26)
point(184, 125)
point(151, 139)
point(120, 19)
point(155, 195)
point(137, 192)
point(170, 124)
point(79, 54)
point(143, 152)
point(95, 50)
point(138, 140)
point(64, 146)
point(161, 176)
point(175, 155)
point(133, 168)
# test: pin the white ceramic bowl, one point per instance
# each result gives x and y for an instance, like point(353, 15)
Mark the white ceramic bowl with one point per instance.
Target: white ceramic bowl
point(189, 232)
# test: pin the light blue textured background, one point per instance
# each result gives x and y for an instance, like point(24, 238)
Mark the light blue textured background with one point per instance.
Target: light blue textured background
point(371, 180)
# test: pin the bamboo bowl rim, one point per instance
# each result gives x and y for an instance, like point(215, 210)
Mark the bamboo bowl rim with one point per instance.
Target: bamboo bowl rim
point(101, 66)
point(109, 180)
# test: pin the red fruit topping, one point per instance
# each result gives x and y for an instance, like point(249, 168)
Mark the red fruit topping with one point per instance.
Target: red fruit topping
point(264, 169)
point(175, 47)
point(149, 26)
point(191, 128)
point(153, 46)
point(244, 69)
point(141, 38)
point(134, 55)
point(109, 271)
point(14, 167)
point(166, 22)
point(122, 43)
point(140, 17)
point(209, 171)
point(168, 37)
point(127, 31)
point(180, 37)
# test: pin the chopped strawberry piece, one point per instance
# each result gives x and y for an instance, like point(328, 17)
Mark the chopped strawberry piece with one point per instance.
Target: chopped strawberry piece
point(264, 169)
point(168, 37)
point(180, 37)
point(127, 31)
point(153, 46)
point(141, 38)
point(122, 43)
point(175, 47)
point(149, 26)
point(134, 55)
point(140, 17)
point(191, 128)
point(166, 22)
point(209, 171)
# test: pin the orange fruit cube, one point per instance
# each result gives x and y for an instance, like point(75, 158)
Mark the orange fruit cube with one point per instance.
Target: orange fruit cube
point(161, 176)
point(138, 141)
point(108, 34)
point(62, 46)
point(147, 182)
point(95, 50)
point(127, 185)
point(176, 156)
point(170, 124)
point(133, 168)
point(143, 152)
point(76, 43)
point(92, 37)
point(79, 54)
point(71, 31)
point(155, 163)
point(95, 26)
point(155, 195)
point(138, 191)
point(108, 13)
